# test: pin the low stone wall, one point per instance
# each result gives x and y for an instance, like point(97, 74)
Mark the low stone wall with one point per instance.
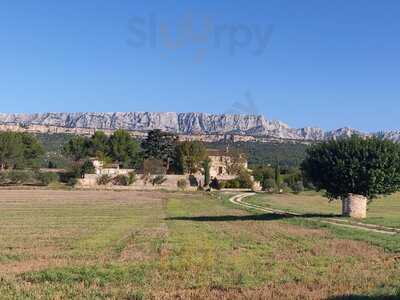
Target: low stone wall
point(170, 184)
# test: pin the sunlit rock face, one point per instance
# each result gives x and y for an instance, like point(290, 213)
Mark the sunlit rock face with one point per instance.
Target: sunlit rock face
point(183, 123)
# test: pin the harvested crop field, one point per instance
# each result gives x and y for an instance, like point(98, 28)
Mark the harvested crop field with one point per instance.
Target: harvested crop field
point(154, 245)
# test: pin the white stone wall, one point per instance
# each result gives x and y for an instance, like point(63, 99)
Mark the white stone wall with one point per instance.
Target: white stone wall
point(171, 183)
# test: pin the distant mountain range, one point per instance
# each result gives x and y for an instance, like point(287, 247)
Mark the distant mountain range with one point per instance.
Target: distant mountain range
point(183, 124)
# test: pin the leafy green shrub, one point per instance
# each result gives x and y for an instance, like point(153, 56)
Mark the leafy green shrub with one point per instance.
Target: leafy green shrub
point(20, 177)
point(182, 184)
point(104, 179)
point(131, 177)
point(298, 187)
point(230, 184)
point(214, 184)
point(193, 180)
point(45, 178)
point(158, 180)
point(3, 177)
point(269, 185)
point(72, 181)
point(245, 180)
point(284, 187)
point(121, 180)
point(88, 168)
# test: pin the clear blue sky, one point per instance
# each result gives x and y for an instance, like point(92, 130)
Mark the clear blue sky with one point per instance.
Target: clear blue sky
point(326, 63)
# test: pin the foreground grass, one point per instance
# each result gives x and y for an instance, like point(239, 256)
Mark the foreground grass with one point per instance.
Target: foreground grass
point(150, 245)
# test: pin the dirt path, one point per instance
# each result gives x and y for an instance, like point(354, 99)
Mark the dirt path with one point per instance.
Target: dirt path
point(238, 200)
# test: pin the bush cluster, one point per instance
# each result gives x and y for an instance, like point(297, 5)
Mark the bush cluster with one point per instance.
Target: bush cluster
point(121, 180)
point(243, 181)
point(27, 177)
point(104, 179)
point(158, 180)
point(182, 184)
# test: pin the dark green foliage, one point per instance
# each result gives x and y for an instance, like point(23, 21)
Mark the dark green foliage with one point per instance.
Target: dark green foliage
point(19, 150)
point(131, 178)
point(121, 180)
point(230, 184)
point(27, 177)
point(54, 142)
point(104, 180)
point(190, 156)
point(160, 145)
point(297, 187)
point(214, 184)
point(32, 151)
point(292, 177)
point(245, 179)
point(367, 167)
point(263, 172)
point(20, 177)
point(266, 176)
point(158, 180)
point(277, 175)
point(77, 148)
point(88, 168)
point(206, 170)
point(153, 167)
point(268, 184)
point(99, 145)
point(72, 181)
point(119, 147)
point(53, 145)
point(124, 149)
point(193, 180)
point(45, 178)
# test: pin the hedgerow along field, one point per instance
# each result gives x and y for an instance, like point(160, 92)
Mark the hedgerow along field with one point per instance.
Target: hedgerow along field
point(153, 245)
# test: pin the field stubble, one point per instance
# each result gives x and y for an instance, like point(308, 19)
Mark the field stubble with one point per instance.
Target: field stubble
point(133, 245)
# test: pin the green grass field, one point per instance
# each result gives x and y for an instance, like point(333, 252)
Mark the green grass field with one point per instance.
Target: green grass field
point(153, 245)
point(381, 211)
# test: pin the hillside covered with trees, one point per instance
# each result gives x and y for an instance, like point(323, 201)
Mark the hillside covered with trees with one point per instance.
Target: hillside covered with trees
point(288, 154)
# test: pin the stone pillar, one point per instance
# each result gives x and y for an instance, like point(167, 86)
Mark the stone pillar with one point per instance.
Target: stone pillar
point(355, 206)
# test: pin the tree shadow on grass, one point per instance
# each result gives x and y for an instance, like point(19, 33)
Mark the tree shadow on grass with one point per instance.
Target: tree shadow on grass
point(261, 217)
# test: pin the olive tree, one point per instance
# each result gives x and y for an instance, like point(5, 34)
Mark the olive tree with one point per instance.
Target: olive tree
point(354, 170)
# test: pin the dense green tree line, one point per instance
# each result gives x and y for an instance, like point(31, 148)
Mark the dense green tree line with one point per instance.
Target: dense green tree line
point(19, 150)
point(119, 147)
point(158, 148)
point(288, 154)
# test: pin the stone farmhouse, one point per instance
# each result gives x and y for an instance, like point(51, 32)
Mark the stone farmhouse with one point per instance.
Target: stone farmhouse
point(109, 169)
point(220, 162)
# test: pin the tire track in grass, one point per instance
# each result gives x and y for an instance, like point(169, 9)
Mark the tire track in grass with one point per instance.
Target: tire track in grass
point(238, 200)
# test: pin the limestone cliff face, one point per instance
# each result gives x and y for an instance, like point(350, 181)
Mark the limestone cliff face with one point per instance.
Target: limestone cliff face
point(179, 123)
point(185, 123)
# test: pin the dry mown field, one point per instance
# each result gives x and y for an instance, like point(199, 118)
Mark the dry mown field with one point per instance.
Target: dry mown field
point(140, 245)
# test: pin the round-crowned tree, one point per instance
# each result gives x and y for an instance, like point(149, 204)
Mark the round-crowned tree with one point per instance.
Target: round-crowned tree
point(354, 170)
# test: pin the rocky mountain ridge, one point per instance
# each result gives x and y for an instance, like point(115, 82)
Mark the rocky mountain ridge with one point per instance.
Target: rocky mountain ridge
point(182, 124)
